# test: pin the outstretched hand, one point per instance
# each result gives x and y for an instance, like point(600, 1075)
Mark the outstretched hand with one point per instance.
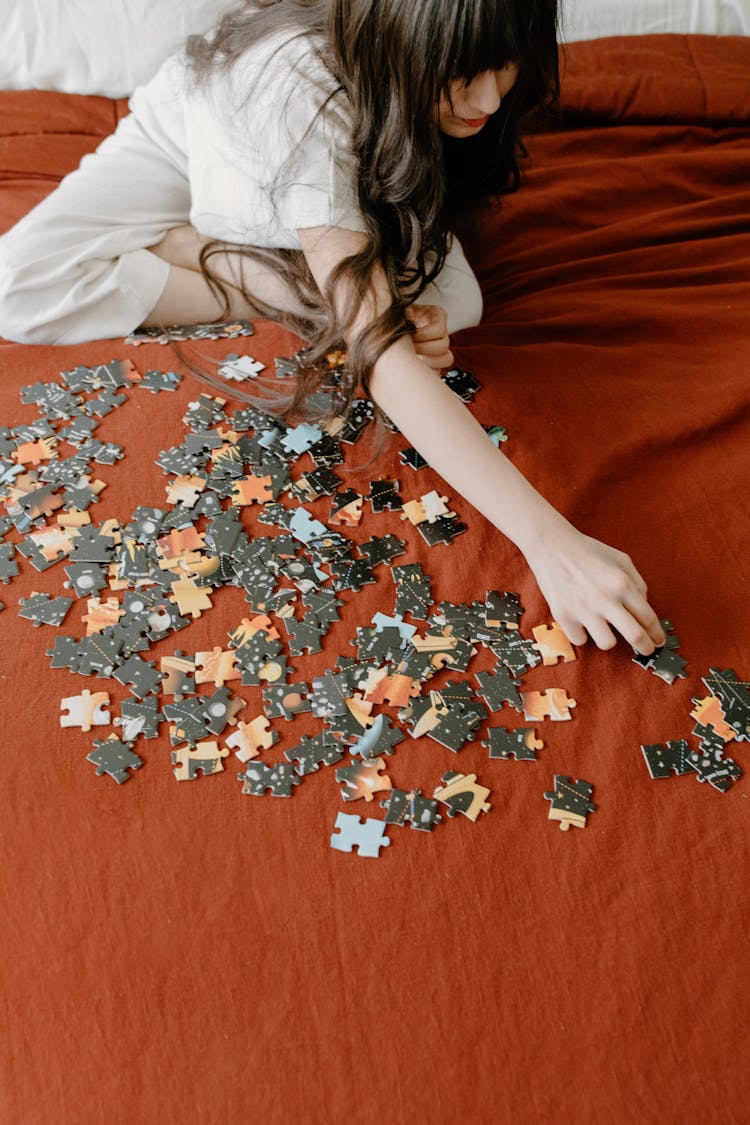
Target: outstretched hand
point(592, 589)
point(431, 340)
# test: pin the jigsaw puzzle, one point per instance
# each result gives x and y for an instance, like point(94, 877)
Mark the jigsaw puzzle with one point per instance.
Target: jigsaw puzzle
point(235, 471)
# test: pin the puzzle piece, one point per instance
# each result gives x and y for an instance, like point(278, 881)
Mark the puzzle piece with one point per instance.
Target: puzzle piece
point(139, 719)
point(462, 794)
point(238, 368)
point(85, 710)
point(502, 609)
point(412, 458)
point(115, 758)
point(498, 689)
point(550, 704)
point(710, 763)
point(571, 802)
point(412, 808)
point(442, 530)
point(252, 490)
point(664, 760)
point(102, 614)
point(140, 674)
point(363, 779)
point(188, 720)
point(190, 598)
point(708, 713)
point(412, 590)
point(462, 383)
point(384, 495)
point(346, 508)
point(177, 675)
point(734, 696)
point(205, 757)
point(41, 609)
point(396, 689)
point(552, 644)
point(430, 507)
point(303, 636)
point(312, 753)
point(381, 549)
point(455, 729)
point(259, 779)
point(380, 738)
point(521, 743)
point(282, 701)
point(367, 836)
point(221, 709)
point(216, 666)
point(8, 566)
point(250, 738)
point(664, 662)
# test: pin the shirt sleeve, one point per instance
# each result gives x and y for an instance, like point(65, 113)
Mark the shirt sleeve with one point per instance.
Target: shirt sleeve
point(295, 139)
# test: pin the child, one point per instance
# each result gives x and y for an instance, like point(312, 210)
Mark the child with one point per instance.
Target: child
point(309, 161)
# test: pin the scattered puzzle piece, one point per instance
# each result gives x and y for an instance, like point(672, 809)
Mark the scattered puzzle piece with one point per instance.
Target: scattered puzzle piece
point(664, 662)
point(367, 836)
point(86, 710)
point(667, 759)
point(522, 743)
point(363, 779)
point(462, 794)
point(552, 644)
point(550, 704)
point(205, 757)
point(571, 802)
point(250, 738)
point(279, 780)
point(115, 758)
point(411, 808)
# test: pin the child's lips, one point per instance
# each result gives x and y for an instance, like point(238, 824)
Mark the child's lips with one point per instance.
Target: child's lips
point(474, 121)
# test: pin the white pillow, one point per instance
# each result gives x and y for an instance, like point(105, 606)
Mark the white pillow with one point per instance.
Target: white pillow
point(102, 47)
point(595, 19)
point(109, 47)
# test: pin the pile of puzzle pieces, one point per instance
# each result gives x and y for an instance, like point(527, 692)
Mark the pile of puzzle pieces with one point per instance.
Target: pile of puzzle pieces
point(240, 470)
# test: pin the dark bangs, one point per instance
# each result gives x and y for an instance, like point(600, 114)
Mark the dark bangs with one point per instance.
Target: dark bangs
point(491, 34)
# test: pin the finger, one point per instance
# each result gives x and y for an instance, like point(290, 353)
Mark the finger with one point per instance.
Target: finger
point(437, 362)
point(631, 629)
point(421, 315)
point(574, 631)
point(600, 633)
point(432, 334)
point(647, 632)
point(430, 323)
point(434, 347)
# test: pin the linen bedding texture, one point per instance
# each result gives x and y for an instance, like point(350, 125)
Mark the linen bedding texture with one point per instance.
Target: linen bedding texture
point(178, 955)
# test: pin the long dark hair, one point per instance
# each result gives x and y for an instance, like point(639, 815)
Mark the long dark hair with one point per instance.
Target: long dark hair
point(394, 59)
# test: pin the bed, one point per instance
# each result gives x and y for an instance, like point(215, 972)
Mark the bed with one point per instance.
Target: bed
point(187, 951)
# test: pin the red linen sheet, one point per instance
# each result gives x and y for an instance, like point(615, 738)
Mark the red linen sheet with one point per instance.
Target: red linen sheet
point(179, 951)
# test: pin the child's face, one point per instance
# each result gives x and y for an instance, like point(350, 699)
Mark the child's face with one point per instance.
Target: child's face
point(473, 103)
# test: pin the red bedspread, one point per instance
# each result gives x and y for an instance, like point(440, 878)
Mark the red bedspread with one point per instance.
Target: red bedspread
point(183, 952)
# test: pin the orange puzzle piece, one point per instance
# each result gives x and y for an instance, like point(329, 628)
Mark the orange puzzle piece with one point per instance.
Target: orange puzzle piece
point(552, 644)
point(550, 704)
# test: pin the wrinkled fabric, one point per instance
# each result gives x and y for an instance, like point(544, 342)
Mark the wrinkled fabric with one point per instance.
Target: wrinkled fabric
point(178, 951)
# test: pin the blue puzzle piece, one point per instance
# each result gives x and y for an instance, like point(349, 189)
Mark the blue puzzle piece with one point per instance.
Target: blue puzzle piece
point(368, 835)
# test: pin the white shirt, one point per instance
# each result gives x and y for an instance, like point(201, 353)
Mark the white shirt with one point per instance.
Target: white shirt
point(241, 129)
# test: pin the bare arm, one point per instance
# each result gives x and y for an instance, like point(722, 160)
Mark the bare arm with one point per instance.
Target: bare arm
point(588, 585)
